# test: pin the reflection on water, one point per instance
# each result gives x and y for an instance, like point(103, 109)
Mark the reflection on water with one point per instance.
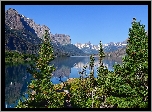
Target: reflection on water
point(17, 78)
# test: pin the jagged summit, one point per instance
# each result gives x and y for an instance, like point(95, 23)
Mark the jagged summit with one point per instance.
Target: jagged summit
point(93, 49)
point(11, 9)
point(20, 22)
point(25, 33)
point(12, 19)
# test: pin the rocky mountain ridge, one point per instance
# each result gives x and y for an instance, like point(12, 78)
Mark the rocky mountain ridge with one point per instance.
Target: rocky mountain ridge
point(112, 49)
point(61, 38)
point(109, 47)
point(19, 22)
point(24, 35)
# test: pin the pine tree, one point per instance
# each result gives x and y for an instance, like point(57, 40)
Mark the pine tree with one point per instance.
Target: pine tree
point(129, 86)
point(102, 73)
point(135, 65)
point(101, 53)
point(91, 76)
point(41, 92)
point(102, 70)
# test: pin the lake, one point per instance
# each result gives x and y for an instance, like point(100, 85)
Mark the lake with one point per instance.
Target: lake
point(17, 78)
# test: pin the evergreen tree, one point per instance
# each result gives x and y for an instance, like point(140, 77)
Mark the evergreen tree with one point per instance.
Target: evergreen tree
point(91, 76)
point(41, 91)
point(101, 53)
point(128, 86)
point(102, 72)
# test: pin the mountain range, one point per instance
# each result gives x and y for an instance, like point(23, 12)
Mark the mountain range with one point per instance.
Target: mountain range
point(108, 48)
point(24, 35)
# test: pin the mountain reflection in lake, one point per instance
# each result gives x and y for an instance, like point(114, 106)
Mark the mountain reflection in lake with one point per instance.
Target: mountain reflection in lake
point(17, 78)
point(70, 67)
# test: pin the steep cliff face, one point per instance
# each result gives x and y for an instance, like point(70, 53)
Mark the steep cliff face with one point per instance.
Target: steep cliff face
point(33, 27)
point(13, 20)
point(61, 38)
point(21, 40)
point(24, 35)
point(19, 22)
point(19, 35)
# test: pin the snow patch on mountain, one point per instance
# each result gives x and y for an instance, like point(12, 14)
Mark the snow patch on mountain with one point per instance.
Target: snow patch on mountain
point(93, 49)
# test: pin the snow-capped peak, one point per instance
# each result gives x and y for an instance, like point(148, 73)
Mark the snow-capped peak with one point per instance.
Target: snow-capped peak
point(90, 48)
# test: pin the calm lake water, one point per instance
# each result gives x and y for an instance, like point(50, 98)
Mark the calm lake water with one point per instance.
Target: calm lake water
point(17, 78)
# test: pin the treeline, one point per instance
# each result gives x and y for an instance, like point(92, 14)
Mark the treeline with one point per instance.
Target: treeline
point(125, 87)
point(16, 57)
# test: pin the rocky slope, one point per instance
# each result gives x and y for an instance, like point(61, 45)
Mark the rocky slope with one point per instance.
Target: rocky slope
point(110, 47)
point(24, 35)
point(119, 52)
point(61, 38)
point(21, 40)
point(19, 22)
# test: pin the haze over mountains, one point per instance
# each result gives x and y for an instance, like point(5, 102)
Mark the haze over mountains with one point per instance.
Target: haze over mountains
point(24, 35)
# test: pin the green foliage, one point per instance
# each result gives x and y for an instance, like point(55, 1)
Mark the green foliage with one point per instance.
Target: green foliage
point(15, 57)
point(126, 86)
point(84, 91)
point(101, 53)
point(102, 70)
point(42, 93)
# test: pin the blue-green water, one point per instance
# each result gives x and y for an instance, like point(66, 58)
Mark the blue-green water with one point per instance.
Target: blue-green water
point(17, 78)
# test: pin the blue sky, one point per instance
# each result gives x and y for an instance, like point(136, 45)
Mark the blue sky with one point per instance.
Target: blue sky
point(94, 23)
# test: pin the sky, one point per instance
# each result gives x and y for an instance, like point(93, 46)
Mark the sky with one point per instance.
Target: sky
point(84, 23)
